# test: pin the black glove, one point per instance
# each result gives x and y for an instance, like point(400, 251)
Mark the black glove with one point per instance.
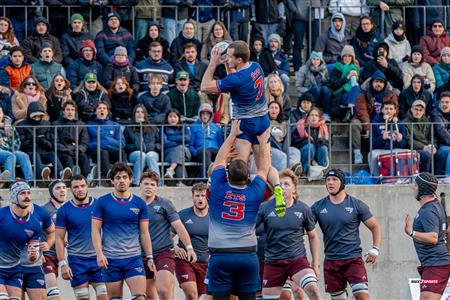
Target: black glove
point(406, 58)
point(281, 30)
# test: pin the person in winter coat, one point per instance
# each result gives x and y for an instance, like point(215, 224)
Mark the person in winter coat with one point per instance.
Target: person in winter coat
point(72, 140)
point(123, 100)
point(153, 35)
point(72, 39)
point(275, 92)
point(120, 66)
point(86, 63)
point(176, 138)
point(441, 70)
point(36, 133)
point(366, 39)
point(184, 98)
point(33, 43)
point(281, 60)
point(332, 41)
point(7, 37)
point(399, 47)
point(28, 92)
point(262, 56)
point(218, 33)
point(187, 35)
point(312, 78)
point(16, 69)
point(58, 93)
point(206, 138)
point(87, 94)
point(112, 142)
point(192, 65)
point(418, 129)
point(416, 91)
point(440, 116)
point(46, 67)
point(112, 37)
point(417, 65)
point(392, 11)
point(386, 140)
point(156, 103)
point(142, 144)
point(434, 41)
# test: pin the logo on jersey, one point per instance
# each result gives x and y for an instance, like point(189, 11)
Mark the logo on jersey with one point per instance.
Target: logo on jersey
point(139, 269)
point(264, 282)
point(324, 211)
point(185, 276)
point(135, 210)
point(349, 209)
point(272, 214)
point(298, 214)
point(40, 282)
point(157, 207)
point(189, 221)
point(166, 266)
point(29, 232)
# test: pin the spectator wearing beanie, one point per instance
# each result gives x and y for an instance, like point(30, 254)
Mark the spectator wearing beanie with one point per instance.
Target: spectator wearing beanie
point(415, 91)
point(442, 69)
point(417, 65)
point(84, 64)
point(120, 66)
point(304, 105)
point(399, 47)
point(281, 60)
point(262, 55)
point(434, 41)
point(46, 68)
point(72, 39)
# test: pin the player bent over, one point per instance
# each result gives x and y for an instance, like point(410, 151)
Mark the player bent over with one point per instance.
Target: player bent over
point(74, 218)
point(429, 235)
point(339, 216)
point(119, 227)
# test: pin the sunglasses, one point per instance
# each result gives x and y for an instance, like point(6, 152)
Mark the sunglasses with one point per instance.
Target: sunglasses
point(30, 83)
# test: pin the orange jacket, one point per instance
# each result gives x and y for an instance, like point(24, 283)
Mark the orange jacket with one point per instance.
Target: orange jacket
point(17, 75)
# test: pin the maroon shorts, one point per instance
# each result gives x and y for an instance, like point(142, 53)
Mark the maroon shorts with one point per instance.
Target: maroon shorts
point(50, 265)
point(186, 271)
point(277, 272)
point(261, 272)
point(434, 278)
point(338, 272)
point(163, 261)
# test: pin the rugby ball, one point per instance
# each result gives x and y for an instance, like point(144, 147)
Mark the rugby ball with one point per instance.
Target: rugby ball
point(223, 47)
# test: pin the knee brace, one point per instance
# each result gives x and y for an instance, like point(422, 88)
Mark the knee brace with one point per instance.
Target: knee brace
point(360, 288)
point(342, 295)
point(13, 298)
point(3, 296)
point(100, 289)
point(53, 292)
point(81, 293)
point(307, 279)
point(139, 297)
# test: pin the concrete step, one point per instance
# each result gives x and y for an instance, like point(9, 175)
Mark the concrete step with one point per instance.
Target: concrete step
point(340, 157)
point(339, 142)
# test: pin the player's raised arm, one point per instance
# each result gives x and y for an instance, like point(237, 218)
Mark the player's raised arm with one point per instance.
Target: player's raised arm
point(225, 149)
point(264, 154)
point(209, 84)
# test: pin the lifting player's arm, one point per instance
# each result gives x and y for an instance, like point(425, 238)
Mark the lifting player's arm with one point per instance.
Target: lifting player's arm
point(314, 246)
point(430, 238)
point(225, 149)
point(66, 272)
point(102, 261)
point(184, 237)
point(373, 225)
point(264, 154)
point(209, 84)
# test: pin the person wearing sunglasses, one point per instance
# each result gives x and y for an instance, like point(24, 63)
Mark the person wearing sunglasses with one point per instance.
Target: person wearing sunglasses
point(30, 90)
point(434, 41)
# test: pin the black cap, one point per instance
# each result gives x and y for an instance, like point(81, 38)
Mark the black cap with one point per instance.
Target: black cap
point(427, 185)
point(339, 174)
point(305, 97)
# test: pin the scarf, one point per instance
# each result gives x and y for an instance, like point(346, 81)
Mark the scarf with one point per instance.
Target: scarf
point(316, 75)
point(122, 64)
point(33, 98)
point(345, 69)
point(364, 37)
point(302, 128)
point(398, 38)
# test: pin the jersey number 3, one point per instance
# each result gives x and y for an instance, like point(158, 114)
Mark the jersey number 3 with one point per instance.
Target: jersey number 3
point(259, 84)
point(236, 211)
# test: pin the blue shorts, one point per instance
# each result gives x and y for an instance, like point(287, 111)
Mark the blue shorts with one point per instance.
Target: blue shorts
point(252, 127)
point(33, 278)
point(84, 269)
point(236, 273)
point(11, 276)
point(123, 268)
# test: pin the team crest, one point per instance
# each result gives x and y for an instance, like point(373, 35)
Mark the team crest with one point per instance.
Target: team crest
point(157, 207)
point(349, 209)
point(298, 214)
point(40, 281)
point(139, 269)
point(185, 276)
point(135, 210)
point(264, 282)
point(29, 232)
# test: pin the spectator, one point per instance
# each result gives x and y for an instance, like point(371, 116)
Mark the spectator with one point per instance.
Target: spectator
point(312, 78)
point(9, 147)
point(205, 16)
point(206, 138)
point(154, 64)
point(72, 140)
point(72, 39)
point(176, 141)
point(217, 33)
point(187, 35)
point(174, 14)
point(386, 139)
point(440, 116)
point(37, 135)
point(332, 41)
point(262, 55)
point(183, 98)
point(434, 41)
point(86, 96)
point(392, 11)
point(28, 92)
point(275, 92)
point(399, 47)
point(366, 39)
point(147, 12)
point(58, 93)
point(15, 70)
point(269, 16)
point(314, 136)
point(281, 60)
point(418, 128)
point(112, 143)
point(112, 37)
point(123, 100)
point(344, 81)
point(153, 35)
point(383, 63)
point(368, 106)
point(423, 14)
point(7, 37)
point(46, 67)
point(120, 66)
point(156, 103)
point(142, 144)
point(86, 63)
point(304, 105)
point(415, 91)
point(191, 65)
point(417, 65)
point(32, 45)
point(239, 19)
point(441, 71)
point(353, 11)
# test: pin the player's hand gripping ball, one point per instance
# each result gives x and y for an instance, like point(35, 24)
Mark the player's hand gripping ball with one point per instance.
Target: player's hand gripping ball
point(223, 47)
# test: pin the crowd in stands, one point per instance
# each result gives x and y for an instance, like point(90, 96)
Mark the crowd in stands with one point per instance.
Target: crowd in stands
point(115, 94)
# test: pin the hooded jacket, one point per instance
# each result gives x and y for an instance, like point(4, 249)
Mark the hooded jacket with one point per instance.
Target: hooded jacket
point(156, 106)
point(12, 77)
point(379, 126)
point(150, 139)
point(398, 50)
point(308, 76)
point(208, 135)
point(441, 122)
point(408, 96)
point(109, 133)
point(70, 45)
point(187, 104)
point(69, 135)
point(441, 74)
point(45, 71)
point(264, 58)
point(175, 136)
point(86, 100)
point(106, 42)
point(424, 69)
point(32, 44)
point(176, 48)
point(20, 105)
point(433, 45)
point(422, 132)
point(143, 46)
